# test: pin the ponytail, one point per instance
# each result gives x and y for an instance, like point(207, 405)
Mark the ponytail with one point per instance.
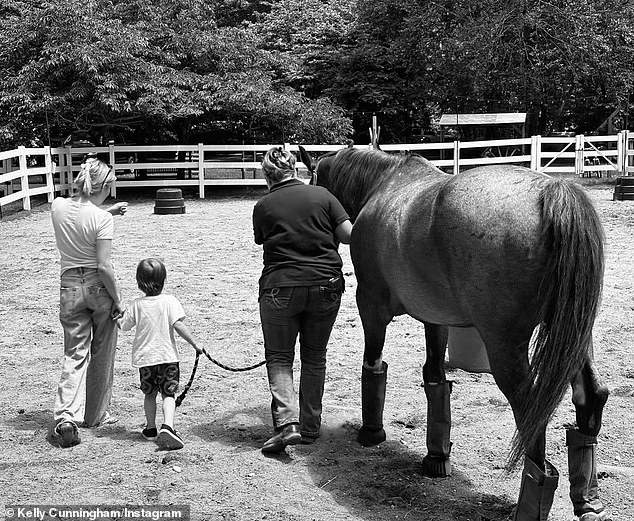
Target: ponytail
point(92, 174)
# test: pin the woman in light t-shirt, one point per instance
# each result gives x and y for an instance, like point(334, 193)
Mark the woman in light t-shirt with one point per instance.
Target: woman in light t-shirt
point(89, 301)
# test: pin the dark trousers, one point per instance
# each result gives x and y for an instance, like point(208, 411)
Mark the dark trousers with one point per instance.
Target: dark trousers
point(309, 311)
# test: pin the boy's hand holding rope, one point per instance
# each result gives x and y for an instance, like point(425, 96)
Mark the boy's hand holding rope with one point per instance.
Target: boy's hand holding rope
point(200, 351)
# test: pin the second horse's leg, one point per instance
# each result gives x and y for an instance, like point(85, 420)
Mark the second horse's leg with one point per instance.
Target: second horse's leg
point(437, 390)
point(588, 397)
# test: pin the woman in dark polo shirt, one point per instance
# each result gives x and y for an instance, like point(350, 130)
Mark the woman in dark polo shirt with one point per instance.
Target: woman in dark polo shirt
point(300, 227)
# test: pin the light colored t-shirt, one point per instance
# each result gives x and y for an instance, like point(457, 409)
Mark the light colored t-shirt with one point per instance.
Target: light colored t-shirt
point(154, 318)
point(78, 226)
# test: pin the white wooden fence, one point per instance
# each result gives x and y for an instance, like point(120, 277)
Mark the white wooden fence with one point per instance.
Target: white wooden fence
point(27, 172)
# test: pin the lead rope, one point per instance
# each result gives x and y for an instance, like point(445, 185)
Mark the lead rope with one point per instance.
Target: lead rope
point(181, 396)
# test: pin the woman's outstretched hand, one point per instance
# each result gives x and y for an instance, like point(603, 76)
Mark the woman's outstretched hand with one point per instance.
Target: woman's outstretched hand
point(118, 208)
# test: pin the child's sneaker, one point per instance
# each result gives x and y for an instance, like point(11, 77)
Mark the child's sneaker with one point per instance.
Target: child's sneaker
point(168, 439)
point(149, 434)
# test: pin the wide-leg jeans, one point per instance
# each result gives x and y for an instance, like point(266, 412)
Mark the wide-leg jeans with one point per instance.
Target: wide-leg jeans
point(90, 336)
point(285, 313)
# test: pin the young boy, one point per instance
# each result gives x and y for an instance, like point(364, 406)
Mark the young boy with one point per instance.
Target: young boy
point(156, 317)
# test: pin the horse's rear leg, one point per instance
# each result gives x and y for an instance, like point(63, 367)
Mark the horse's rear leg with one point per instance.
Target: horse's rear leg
point(509, 364)
point(374, 372)
point(588, 397)
point(437, 390)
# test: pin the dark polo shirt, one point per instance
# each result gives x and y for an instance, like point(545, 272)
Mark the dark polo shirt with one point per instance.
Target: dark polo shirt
point(296, 225)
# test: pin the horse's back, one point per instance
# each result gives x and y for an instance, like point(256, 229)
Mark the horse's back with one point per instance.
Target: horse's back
point(495, 195)
point(450, 247)
point(488, 232)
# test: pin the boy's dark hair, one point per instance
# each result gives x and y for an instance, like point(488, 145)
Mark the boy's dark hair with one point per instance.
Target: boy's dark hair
point(150, 276)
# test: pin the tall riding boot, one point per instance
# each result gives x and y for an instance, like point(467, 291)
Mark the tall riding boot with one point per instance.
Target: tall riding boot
point(436, 464)
point(582, 470)
point(537, 492)
point(372, 402)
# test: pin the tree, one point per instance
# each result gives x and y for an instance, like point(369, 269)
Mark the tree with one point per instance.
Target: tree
point(258, 70)
point(308, 37)
point(158, 70)
point(564, 62)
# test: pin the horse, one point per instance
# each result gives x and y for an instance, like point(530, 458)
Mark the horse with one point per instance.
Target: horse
point(515, 254)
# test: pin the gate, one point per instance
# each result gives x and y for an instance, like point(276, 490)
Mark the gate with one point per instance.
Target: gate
point(598, 160)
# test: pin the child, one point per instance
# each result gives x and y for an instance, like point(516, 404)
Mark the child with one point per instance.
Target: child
point(156, 317)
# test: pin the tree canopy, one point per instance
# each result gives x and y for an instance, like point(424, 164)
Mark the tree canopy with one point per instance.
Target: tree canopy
point(144, 71)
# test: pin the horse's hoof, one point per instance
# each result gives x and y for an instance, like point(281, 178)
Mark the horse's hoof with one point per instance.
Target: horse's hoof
point(591, 516)
point(368, 437)
point(436, 467)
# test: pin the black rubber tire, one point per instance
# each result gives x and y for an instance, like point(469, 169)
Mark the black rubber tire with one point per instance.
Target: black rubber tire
point(166, 203)
point(625, 181)
point(169, 210)
point(169, 193)
point(623, 197)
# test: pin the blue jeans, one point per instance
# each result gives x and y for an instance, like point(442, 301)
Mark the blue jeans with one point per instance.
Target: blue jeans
point(285, 312)
point(90, 338)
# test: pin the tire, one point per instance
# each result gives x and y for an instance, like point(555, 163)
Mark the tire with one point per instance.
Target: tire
point(625, 181)
point(165, 210)
point(623, 197)
point(166, 203)
point(169, 193)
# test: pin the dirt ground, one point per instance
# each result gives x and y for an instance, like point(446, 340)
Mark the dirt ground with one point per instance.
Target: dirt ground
point(213, 267)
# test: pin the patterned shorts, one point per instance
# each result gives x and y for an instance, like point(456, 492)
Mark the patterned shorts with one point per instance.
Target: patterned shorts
point(161, 377)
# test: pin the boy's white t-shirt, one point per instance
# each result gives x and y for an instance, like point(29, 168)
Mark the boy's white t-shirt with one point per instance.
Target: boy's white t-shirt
point(154, 318)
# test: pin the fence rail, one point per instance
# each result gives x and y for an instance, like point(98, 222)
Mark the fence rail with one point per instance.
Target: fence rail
point(27, 172)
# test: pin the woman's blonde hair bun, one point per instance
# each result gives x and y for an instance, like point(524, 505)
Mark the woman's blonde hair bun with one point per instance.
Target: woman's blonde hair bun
point(278, 164)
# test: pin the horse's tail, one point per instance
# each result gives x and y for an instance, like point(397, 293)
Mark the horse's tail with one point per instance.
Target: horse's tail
point(569, 295)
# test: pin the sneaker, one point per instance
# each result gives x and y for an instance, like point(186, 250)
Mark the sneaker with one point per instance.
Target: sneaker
point(149, 434)
point(106, 419)
point(168, 439)
point(67, 434)
point(289, 435)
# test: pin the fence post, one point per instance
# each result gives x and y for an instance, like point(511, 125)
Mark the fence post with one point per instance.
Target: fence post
point(24, 179)
point(201, 171)
point(63, 175)
point(68, 155)
point(456, 157)
point(112, 161)
point(619, 152)
point(50, 185)
point(579, 159)
point(6, 167)
point(536, 153)
point(623, 159)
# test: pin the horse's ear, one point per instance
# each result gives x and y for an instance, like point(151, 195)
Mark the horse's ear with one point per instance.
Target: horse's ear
point(306, 159)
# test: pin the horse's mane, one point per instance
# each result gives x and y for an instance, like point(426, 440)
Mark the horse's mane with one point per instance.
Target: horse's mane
point(358, 173)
